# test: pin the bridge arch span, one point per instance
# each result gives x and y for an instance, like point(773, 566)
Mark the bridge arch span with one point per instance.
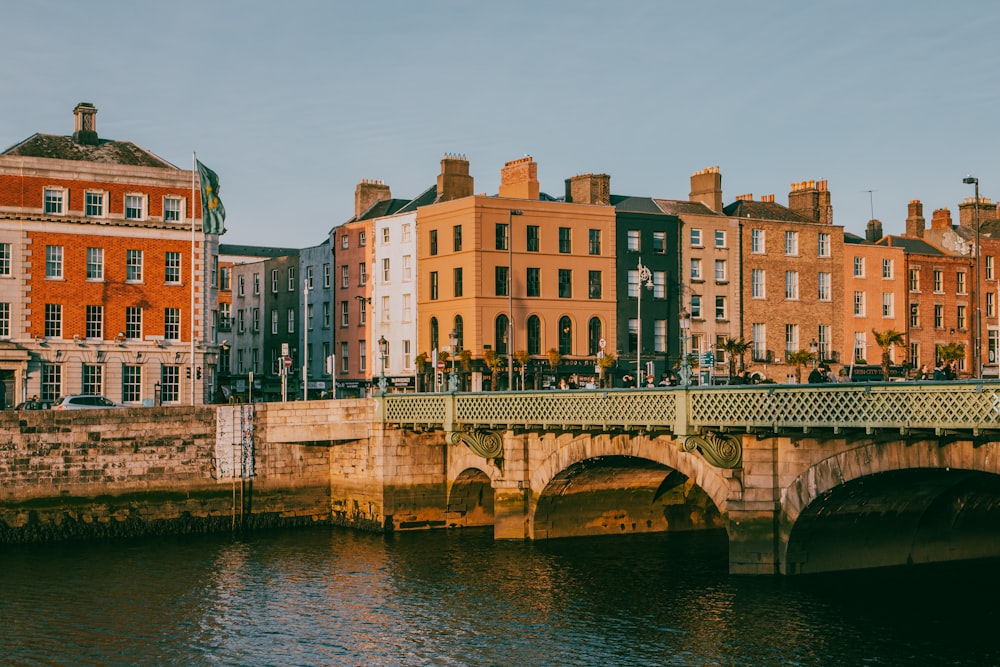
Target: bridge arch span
point(604, 484)
point(892, 503)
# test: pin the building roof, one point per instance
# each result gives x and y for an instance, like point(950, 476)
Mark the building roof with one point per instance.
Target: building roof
point(255, 251)
point(910, 245)
point(428, 196)
point(684, 207)
point(763, 210)
point(106, 151)
point(624, 204)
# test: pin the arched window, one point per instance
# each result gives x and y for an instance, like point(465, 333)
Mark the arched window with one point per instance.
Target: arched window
point(500, 334)
point(434, 333)
point(565, 335)
point(460, 330)
point(593, 336)
point(534, 335)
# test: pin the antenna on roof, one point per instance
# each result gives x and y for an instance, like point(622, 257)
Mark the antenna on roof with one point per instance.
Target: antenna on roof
point(871, 202)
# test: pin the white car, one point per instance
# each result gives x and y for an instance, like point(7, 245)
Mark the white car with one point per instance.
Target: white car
point(84, 402)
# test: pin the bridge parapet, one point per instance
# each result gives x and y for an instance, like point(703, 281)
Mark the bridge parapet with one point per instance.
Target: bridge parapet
point(971, 407)
point(584, 409)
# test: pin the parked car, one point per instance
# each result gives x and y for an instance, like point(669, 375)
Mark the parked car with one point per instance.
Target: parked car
point(84, 402)
point(33, 405)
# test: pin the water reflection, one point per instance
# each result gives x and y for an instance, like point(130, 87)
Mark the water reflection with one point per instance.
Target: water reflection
point(319, 597)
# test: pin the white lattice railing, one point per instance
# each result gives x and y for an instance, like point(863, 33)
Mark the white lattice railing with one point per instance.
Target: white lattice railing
point(959, 406)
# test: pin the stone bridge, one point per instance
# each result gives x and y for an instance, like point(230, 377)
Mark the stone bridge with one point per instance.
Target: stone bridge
point(803, 478)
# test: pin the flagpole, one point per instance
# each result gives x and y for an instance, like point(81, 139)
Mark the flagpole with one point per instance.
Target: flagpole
point(194, 169)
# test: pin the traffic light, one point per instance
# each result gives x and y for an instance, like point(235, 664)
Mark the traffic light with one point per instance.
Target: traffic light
point(188, 369)
point(198, 373)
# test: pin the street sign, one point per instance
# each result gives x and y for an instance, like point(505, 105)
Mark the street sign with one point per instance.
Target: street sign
point(440, 365)
point(288, 362)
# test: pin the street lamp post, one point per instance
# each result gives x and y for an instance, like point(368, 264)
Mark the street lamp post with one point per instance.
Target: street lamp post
point(510, 296)
point(814, 350)
point(977, 351)
point(305, 339)
point(383, 348)
point(453, 378)
point(645, 280)
point(685, 367)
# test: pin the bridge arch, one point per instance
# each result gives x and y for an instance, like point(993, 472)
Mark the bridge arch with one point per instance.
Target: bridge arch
point(604, 484)
point(892, 503)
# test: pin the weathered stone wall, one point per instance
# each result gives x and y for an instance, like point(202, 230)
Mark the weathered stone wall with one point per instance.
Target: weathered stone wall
point(97, 473)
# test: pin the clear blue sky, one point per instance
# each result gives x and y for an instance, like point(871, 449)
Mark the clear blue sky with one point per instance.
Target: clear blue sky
point(293, 103)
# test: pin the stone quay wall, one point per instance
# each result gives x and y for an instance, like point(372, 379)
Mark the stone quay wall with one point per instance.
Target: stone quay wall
point(115, 473)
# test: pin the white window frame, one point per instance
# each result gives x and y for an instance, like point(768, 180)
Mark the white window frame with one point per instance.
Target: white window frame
point(95, 203)
point(823, 244)
point(792, 243)
point(95, 264)
point(53, 262)
point(758, 284)
point(135, 207)
point(54, 201)
point(173, 209)
point(133, 266)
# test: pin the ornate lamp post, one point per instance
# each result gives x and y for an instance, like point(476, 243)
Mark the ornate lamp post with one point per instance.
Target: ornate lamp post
point(814, 350)
point(453, 378)
point(977, 351)
point(383, 348)
point(685, 368)
point(645, 280)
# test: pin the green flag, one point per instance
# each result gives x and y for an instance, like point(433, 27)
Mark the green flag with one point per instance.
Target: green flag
point(213, 213)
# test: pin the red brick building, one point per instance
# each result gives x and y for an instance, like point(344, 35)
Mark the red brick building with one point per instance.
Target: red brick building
point(97, 291)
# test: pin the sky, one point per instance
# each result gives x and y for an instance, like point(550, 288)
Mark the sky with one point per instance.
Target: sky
point(294, 103)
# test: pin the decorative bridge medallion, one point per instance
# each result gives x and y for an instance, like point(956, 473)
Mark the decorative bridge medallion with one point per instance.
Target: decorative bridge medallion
point(720, 449)
point(487, 444)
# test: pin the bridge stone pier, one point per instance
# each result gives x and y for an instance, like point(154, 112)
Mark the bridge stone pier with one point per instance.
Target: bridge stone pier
point(803, 479)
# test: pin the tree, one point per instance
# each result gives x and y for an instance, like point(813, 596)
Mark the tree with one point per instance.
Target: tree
point(887, 340)
point(604, 363)
point(495, 363)
point(800, 358)
point(735, 349)
point(555, 358)
point(952, 352)
point(522, 358)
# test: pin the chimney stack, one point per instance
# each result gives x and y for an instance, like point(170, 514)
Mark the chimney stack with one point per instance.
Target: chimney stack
point(915, 223)
point(367, 194)
point(941, 219)
point(967, 212)
point(706, 187)
point(873, 232)
point(454, 181)
point(85, 124)
point(589, 189)
point(812, 200)
point(519, 179)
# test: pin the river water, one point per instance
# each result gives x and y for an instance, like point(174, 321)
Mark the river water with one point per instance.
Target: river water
point(336, 597)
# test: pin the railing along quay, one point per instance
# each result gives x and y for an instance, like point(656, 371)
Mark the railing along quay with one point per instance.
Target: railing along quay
point(940, 407)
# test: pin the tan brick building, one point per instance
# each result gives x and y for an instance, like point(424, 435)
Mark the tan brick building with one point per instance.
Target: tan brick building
point(549, 263)
point(792, 278)
point(97, 292)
